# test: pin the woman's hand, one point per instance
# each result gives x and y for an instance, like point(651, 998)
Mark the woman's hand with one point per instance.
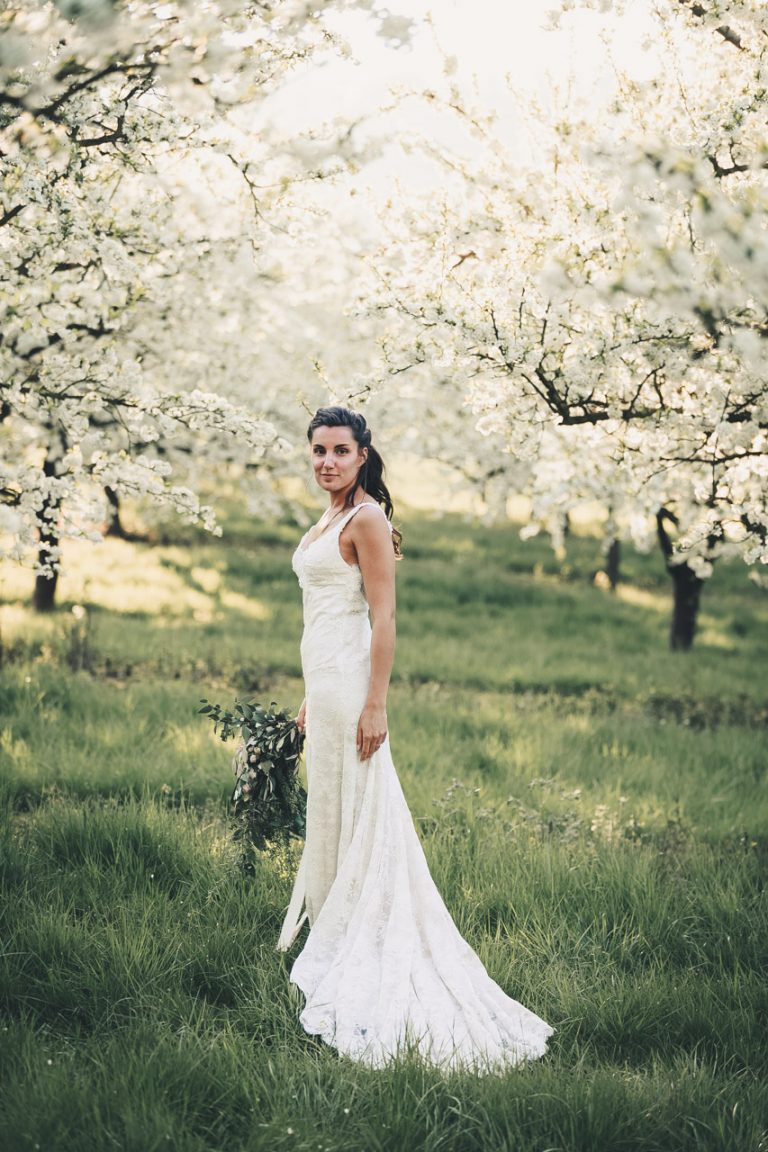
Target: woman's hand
point(371, 730)
point(301, 719)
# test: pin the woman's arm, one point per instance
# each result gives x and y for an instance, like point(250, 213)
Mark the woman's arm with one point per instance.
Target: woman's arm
point(370, 536)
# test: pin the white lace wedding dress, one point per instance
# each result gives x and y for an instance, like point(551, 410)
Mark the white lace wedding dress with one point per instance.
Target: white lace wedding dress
point(384, 965)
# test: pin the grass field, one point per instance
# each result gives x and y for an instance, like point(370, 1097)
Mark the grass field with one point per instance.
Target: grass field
point(593, 809)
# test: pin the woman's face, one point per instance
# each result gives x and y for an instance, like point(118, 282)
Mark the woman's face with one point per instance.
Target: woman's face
point(336, 458)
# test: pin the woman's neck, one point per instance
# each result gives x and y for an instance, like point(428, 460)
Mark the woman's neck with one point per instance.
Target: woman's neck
point(338, 500)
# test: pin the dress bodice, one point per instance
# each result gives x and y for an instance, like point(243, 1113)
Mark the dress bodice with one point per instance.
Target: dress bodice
point(329, 585)
point(336, 624)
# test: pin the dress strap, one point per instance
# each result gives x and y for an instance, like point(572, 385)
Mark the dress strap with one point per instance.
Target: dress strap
point(353, 512)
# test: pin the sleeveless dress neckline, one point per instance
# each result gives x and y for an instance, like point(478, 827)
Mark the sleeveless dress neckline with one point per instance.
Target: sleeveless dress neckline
point(337, 527)
point(384, 968)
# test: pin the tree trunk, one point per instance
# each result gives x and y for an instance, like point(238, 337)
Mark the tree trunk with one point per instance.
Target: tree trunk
point(45, 584)
point(687, 594)
point(44, 596)
point(613, 563)
point(114, 526)
point(686, 588)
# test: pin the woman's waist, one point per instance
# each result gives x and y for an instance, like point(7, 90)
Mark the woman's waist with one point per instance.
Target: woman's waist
point(347, 626)
point(318, 610)
point(336, 640)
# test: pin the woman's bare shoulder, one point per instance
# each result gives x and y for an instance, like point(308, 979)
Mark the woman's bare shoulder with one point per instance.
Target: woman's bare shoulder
point(371, 503)
point(368, 525)
point(364, 516)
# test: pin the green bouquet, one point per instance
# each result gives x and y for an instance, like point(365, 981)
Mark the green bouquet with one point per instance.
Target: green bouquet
point(269, 803)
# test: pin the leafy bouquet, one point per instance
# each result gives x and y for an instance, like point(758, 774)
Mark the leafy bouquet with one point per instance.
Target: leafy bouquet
point(268, 801)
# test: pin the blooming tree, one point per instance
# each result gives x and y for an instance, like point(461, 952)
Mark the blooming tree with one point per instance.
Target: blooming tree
point(605, 306)
point(123, 301)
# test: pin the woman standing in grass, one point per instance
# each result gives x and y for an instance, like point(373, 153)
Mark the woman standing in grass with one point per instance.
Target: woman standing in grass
point(384, 967)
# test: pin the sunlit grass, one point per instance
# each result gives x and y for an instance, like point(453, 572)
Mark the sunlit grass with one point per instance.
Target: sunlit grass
point(643, 598)
point(128, 577)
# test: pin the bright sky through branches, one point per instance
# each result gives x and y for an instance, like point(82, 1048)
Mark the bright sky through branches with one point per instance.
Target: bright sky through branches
point(496, 52)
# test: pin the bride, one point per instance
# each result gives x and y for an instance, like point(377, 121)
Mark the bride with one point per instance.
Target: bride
point(384, 968)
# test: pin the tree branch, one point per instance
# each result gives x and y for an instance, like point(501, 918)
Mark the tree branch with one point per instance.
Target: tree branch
point(724, 30)
point(665, 540)
point(11, 213)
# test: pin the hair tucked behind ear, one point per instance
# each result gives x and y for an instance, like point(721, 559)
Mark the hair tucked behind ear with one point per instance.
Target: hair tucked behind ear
point(371, 475)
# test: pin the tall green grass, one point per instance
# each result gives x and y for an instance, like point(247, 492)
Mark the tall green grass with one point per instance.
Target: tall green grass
point(592, 807)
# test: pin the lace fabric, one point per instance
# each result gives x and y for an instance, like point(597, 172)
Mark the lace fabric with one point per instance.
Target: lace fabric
point(384, 968)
